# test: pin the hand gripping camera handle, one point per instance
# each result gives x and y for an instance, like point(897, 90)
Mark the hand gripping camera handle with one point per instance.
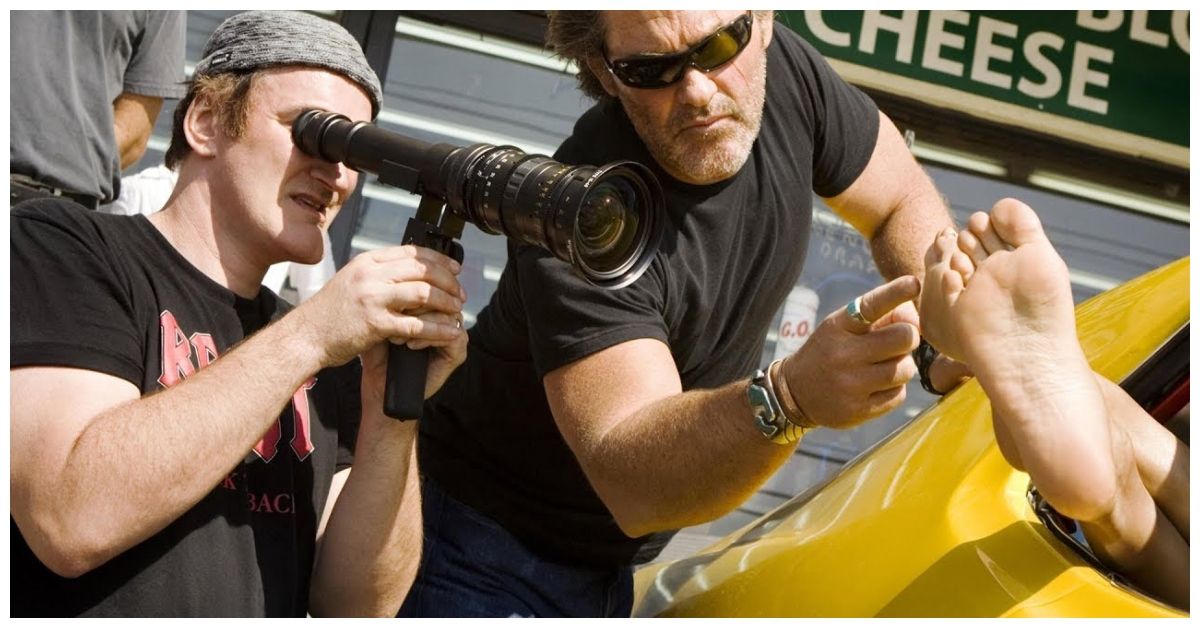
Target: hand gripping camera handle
point(404, 393)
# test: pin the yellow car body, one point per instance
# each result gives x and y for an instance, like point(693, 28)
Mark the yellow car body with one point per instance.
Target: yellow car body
point(932, 521)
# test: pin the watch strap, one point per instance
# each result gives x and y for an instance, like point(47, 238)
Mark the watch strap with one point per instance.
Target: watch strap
point(924, 355)
point(769, 415)
point(791, 410)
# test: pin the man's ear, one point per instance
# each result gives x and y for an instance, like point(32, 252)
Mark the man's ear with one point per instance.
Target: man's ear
point(596, 65)
point(201, 126)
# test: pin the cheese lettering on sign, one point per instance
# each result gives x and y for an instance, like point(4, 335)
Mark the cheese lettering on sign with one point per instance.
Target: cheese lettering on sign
point(1051, 76)
point(996, 53)
point(938, 36)
point(905, 27)
point(986, 49)
point(1083, 75)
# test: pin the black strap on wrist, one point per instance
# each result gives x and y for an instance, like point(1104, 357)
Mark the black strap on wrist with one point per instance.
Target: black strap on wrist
point(924, 355)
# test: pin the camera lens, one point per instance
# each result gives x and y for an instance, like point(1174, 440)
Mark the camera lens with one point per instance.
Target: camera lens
point(605, 221)
point(607, 224)
point(608, 220)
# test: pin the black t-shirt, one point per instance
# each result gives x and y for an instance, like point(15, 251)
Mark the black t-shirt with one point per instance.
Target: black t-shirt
point(110, 294)
point(730, 254)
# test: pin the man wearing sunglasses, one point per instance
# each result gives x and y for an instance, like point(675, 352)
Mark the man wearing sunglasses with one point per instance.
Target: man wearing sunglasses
point(586, 425)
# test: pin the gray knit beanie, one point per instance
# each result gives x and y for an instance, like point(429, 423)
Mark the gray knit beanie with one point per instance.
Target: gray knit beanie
point(261, 39)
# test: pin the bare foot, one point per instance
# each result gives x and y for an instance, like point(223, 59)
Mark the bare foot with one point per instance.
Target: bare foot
point(1019, 290)
point(1015, 321)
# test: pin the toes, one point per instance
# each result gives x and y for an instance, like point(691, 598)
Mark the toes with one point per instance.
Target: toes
point(984, 230)
point(945, 254)
point(978, 222)
point(952, 284)
point(1016, 223)
point(969, 245)
point(938, 251)
point(944, 245)
point(962, 264)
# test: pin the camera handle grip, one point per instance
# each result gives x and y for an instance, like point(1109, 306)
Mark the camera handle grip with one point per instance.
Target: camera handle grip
point(404, 392)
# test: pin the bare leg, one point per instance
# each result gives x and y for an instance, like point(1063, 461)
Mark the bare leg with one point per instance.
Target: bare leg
point(1015, 324)
point(1162, 459)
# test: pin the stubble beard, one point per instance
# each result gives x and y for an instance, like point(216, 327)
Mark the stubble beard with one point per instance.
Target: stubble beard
point(705, 157)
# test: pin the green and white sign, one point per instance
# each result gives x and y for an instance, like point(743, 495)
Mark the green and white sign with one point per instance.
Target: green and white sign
point(1117, 80)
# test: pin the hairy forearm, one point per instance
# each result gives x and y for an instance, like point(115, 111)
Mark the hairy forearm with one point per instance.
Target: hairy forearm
point(900, 242)
point(683, 460)
point(141, 464)
point(371, 547)
point(894, 204)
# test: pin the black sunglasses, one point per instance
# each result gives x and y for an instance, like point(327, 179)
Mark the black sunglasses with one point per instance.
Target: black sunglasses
point(653, 71)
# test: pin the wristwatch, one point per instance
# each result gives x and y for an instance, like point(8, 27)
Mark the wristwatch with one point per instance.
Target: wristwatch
point(768, 413)
point(924, 355)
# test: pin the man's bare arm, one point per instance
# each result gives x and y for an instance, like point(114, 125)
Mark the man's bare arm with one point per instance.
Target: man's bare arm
point(894, 205)
point(98, 470)
point(658, 457)
point(133, 121)
point(661, 459)
point(369, 543)
point(369, 551)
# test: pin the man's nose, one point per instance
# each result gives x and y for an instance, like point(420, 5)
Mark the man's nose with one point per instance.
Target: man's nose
point(336, 176)
point(696, 88)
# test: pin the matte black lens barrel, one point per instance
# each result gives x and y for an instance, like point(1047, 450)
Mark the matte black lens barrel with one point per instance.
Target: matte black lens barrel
point(367, 148)
point(502, 190)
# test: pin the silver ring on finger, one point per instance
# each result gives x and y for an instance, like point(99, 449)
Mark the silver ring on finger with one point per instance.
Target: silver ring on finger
point(854, 311)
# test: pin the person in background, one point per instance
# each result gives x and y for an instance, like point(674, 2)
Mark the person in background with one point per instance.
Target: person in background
point(85, 90)
point(183, 442)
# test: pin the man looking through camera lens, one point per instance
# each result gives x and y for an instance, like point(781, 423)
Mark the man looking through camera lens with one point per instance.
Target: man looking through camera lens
point(181, 442)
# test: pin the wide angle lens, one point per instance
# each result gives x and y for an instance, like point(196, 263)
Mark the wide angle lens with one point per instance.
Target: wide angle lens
point(607, 221)
point(607, 225)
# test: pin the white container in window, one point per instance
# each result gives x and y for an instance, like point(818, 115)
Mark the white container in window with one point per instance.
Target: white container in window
point(799, 320)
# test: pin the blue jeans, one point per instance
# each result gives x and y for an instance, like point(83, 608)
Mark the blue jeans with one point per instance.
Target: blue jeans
point(472, 567)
